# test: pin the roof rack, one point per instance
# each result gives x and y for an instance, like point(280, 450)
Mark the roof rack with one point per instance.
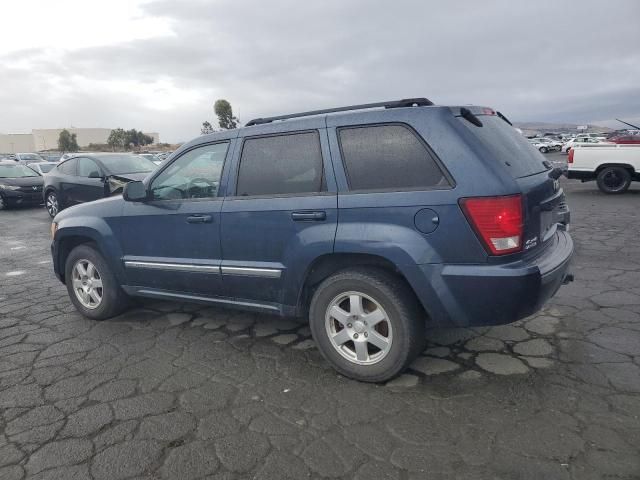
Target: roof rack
point(406, 102)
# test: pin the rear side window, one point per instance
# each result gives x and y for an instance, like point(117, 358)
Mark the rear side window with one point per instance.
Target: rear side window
point(281, 165)
point(507, 146)
point(68, 167)
point(388, 157)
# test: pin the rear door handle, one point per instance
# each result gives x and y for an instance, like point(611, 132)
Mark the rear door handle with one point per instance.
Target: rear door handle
point(199, 219)
point(309, 216)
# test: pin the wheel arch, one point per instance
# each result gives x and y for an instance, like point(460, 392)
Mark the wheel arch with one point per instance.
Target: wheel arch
point(68, 238)
point(626, 166)
point(329, 264)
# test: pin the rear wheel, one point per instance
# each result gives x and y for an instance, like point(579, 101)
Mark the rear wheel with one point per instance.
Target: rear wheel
point(543, 150)
point(91, 285)
point(52, 203)
point(367, 324)
point(614, 180)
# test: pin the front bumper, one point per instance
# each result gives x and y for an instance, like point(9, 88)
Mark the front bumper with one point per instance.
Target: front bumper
point(476, 295)
point(17, 197)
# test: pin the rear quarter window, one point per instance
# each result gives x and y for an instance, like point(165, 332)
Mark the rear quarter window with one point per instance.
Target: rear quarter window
point(507, 146)
point(388, 157)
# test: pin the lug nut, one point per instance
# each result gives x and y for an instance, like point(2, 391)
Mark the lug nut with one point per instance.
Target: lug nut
point(366, 334)
point(355, 335)
point(349, 325)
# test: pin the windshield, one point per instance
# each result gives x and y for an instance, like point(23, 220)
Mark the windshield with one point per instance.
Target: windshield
point(46, 167)
point(120, 164)
point(29, 156)
point(16, 171)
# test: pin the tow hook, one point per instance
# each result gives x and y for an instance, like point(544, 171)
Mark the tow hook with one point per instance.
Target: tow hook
point(568, 278)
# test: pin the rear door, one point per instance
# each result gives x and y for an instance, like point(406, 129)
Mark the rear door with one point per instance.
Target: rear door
point(89, 181)
point(280, 213)
point(503, 148)
point(66, 178)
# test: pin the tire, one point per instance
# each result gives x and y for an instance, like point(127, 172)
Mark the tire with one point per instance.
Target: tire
point(112, 299)
point(543, 150)
point(52, 203)
point(613, 180)
point(3, 205)
point(403, 327)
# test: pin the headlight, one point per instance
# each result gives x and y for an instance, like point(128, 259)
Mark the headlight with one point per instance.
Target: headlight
point(8, 187)
point(54, 229)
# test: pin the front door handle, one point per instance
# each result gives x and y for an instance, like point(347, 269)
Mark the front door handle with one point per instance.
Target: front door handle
point(199, 219)
point(309, 216)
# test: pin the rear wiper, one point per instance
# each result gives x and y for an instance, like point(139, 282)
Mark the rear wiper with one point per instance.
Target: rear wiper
point(504, 118)
point(470, 117)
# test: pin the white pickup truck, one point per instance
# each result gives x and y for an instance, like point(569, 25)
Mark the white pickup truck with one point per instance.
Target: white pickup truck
point(613, 167)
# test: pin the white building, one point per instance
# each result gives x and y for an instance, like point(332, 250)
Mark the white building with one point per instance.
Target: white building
point(47, 139)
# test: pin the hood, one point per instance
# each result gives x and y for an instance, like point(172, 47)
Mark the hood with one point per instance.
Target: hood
point(117, 182)
point(102, 208)
point(130, 176)
point(23, 181)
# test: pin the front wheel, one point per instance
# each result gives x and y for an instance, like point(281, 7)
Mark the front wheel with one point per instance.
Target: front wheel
point(92, 287)
point(614, 180)
point(52, 203)
point(367, 324)
point(543, 150)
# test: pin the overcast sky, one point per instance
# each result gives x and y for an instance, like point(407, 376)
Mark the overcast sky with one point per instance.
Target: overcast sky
point(159, 65)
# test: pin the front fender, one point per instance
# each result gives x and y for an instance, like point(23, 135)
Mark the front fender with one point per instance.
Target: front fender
point(84, 229)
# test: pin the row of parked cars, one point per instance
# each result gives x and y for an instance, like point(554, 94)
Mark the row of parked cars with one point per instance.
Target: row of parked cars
point(29, 179)
point(565, 143)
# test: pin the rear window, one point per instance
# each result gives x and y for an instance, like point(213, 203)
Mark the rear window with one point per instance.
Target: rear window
point(507, 146)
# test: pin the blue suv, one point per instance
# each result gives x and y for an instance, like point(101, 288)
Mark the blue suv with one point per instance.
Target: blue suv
point(370, 220)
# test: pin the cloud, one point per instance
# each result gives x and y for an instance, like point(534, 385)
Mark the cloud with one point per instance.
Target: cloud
point(548, 61)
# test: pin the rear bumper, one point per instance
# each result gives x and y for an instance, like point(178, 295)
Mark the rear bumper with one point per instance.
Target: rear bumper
point(581, 175)
point(475, 295)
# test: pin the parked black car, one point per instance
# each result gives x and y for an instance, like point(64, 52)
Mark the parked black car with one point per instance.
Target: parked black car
point(88, 177)
point(19, 185)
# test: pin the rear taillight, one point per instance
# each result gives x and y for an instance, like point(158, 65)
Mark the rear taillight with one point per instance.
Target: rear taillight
point(497, 221)
point(570, 159)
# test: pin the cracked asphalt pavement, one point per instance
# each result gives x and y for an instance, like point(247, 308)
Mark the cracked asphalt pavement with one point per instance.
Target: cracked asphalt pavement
point(172, 390)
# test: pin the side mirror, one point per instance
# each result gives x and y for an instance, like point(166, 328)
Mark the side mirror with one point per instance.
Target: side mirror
point(134, 192)
point(95, 174)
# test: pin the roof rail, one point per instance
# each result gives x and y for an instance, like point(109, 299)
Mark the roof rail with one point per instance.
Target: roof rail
point(406, 102)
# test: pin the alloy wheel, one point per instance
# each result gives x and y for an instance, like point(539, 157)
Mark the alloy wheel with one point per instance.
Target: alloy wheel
point(358, 328)
point(52, 204)
point(87, 284)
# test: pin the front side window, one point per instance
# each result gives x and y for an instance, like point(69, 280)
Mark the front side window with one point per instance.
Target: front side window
point(281, 165)
point(196, 174)
point(86, 167)
point(388, 157)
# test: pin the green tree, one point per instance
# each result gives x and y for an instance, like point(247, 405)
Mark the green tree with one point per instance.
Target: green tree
point(224, 112)
point(134, 138)
point(67, 141)
point(117, 139)
point(206, 128)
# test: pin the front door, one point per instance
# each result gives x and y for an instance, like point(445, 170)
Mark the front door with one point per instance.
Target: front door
point(172, 241)
point(280, 214)
point(89, 184)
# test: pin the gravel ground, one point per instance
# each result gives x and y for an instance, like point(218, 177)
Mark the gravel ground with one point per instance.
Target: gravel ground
point(171, 390)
